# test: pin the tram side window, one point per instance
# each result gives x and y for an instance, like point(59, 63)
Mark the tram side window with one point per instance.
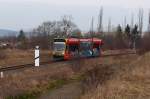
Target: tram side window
point(73, 48)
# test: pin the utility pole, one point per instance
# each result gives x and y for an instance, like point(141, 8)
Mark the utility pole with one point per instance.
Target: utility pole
point(92, 32)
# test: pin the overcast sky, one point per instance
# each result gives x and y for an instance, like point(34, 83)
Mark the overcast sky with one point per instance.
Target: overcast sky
point(28, 14)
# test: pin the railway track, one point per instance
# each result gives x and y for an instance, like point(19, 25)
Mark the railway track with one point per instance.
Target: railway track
point(118, 54)
point(9, 68)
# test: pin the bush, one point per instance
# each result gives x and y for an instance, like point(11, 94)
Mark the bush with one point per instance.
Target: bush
point(2, 54)
point(112, 42)
point(145, 47)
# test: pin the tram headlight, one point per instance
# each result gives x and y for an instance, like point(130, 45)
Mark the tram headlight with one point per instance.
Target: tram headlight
point(60, 53)
point(53, 53)
point(63, 53)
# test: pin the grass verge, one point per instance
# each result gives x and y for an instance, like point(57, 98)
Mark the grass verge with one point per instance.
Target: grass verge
point(54, 84)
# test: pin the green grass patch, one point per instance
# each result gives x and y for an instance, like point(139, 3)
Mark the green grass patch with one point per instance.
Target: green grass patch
point(56, 84)
point(37, 92)
point(29, 95)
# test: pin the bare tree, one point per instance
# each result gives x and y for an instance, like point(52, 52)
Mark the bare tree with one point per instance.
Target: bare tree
point(67, 24)
point(44, 34)
point(92, 26)
point(125, 23)
point(149, 22)
point(100, 21)
point(127, 35)
point(140, 16)
point(132, 21)
point(135, 37)
point(109, 25)
point(145, 39)
point(60, 28)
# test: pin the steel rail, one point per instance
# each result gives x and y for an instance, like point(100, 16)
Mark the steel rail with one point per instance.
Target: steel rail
point(15, 67)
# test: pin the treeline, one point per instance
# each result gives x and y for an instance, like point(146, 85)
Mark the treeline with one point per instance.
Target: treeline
point(43, 35)
point(120, 37)
point(126, 35)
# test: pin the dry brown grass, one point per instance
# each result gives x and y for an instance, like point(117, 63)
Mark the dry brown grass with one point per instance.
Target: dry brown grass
point(35, 78)
point(32, 79)
point(131, 82)
point(18, 57)
point(2, 54)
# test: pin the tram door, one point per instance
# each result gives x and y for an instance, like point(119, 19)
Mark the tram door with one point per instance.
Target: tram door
point(85, 49)
point(96, 49)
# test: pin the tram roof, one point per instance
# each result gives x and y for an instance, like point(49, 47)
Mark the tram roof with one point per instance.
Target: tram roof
point(77, 41)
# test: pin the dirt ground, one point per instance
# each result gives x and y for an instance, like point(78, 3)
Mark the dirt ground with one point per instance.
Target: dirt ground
point(70, 91)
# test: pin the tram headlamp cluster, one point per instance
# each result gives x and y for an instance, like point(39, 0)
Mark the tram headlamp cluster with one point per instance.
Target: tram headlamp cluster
point(63, 53)
point(59, 53)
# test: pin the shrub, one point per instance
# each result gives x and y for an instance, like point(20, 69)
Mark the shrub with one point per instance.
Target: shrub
point(2, 54)
point(145, 47)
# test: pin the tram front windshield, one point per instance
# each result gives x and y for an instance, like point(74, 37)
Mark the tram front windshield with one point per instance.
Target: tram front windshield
point(59, 46)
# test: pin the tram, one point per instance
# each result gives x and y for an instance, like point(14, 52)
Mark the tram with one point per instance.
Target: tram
point(70, 48)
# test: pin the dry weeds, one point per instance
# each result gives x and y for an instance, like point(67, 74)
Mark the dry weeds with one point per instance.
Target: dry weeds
point(18, 57)
point(131, 82)
point(30, 79)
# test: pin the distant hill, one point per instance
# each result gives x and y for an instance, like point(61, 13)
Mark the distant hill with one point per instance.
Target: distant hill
point(5, 32)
